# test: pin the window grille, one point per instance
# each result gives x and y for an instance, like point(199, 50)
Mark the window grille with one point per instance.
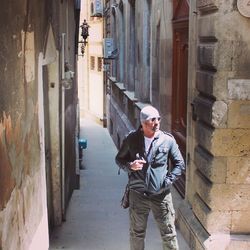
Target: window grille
point(92, 63)
point(99, 64)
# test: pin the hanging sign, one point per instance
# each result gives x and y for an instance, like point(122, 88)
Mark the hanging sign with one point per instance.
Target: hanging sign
point(244, 7)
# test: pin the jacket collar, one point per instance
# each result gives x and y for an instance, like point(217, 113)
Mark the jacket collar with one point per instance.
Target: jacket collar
point(140, 131)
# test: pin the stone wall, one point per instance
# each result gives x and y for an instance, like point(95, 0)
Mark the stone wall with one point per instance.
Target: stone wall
point(21, 202)
point(220, 169)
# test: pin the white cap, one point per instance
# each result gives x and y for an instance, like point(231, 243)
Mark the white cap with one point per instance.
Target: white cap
point(148, 113)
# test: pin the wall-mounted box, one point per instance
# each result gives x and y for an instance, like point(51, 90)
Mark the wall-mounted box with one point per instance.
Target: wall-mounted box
point(108, 47)
point(96, 8)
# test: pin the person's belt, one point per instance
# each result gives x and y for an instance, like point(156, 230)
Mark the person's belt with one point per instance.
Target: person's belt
point(148, 194)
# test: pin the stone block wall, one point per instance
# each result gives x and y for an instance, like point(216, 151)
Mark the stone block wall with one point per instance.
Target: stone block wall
point(222, 128)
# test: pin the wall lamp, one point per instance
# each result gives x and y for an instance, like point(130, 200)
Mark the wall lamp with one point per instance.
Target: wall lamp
point(84, 35)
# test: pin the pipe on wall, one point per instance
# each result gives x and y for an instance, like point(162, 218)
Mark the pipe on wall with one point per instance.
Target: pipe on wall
point(63, 126)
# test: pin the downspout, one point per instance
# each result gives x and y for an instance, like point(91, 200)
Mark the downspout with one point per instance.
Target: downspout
point(63, 127)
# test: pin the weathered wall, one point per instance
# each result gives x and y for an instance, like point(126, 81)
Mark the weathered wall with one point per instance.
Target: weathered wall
point(217, 186)
point(218, 183)
point(151, 60)
point(24, 43)
point(20, 168)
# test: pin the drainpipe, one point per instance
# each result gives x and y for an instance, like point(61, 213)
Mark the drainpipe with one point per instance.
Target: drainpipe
point(63, 127)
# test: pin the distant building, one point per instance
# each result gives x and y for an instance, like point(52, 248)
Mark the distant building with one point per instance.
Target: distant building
point(90, 66)
point(190, 59)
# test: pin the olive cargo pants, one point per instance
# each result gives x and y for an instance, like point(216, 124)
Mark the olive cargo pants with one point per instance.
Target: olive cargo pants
point(163, 212)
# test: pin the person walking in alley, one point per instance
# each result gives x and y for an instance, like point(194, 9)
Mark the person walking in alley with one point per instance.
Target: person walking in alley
point(144, 154)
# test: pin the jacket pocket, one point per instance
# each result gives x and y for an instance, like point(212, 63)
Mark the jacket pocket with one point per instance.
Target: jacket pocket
point(160, 157)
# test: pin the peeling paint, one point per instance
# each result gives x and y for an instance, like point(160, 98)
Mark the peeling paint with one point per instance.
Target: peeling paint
point(19, 151)
point(7, 182)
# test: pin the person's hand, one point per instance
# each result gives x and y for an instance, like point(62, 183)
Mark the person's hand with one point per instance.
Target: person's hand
point(137, 164)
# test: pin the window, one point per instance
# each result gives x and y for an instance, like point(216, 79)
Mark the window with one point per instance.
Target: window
point(121, 43)
point(92, 63)
point(99, 64)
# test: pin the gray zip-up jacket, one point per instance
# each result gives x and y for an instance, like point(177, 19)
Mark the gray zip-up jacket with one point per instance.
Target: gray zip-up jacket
point(155, 177)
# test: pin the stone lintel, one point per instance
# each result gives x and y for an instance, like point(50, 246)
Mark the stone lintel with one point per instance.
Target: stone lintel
point(205, 6)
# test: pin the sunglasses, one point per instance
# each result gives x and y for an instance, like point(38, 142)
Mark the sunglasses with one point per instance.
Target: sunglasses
point(155, 118)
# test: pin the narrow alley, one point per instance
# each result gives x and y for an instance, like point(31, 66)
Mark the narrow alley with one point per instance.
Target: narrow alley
point(95, 220)
point(65, 60)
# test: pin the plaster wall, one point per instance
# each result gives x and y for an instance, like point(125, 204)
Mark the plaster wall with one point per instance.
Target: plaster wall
point(21, 168)
point(23, 201)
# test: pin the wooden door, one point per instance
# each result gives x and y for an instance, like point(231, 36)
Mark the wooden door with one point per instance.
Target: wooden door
point(179, 84)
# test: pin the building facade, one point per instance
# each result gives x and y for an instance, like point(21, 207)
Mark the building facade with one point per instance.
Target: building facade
point(189, 59)
point(38, 119)
point(90, 66)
